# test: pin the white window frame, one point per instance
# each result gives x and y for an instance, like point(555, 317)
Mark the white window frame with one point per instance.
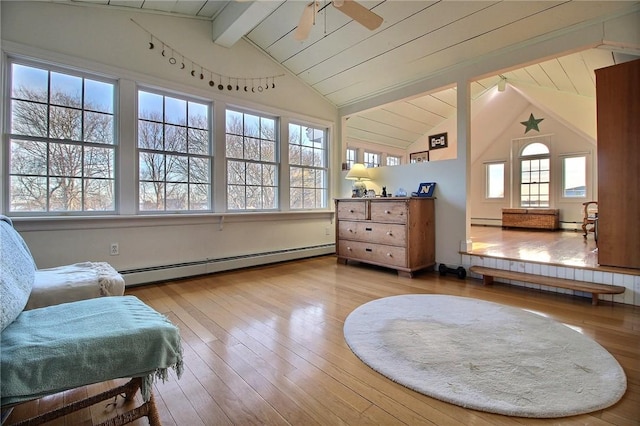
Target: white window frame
point(311, 171)
point(82, 144)
point(563, 189)
point(371, 159)
point(535, 158)
point(489, 182)
point(197, 179)
point(395, 159)
point(266, 190)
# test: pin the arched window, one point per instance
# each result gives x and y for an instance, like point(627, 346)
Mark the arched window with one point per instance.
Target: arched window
point(534, 175)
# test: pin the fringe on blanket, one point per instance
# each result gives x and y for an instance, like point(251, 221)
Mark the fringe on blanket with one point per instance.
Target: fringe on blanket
point(162, 374)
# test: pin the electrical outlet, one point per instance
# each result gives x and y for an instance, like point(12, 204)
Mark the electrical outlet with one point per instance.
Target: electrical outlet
point(114, 250)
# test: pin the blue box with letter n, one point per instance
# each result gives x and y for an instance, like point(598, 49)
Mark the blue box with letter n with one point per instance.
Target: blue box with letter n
point(426, 189)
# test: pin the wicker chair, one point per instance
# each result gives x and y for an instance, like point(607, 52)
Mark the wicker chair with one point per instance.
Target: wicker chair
point(589, 218)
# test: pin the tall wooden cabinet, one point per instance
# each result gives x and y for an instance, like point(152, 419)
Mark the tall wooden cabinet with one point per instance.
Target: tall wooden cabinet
point(618, 109)
point(398, 233)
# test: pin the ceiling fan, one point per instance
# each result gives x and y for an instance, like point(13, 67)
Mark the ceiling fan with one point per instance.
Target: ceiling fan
point(351, 8)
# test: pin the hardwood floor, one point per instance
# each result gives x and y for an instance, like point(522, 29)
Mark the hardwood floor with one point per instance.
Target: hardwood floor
point(559, 247)
point(265, 346)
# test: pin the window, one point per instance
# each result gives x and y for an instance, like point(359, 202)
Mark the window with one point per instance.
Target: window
point(534, 175)
point(392, 160)
point(61, 144)
point(174, 153)
point(495, 180)
point(371, 159)
point(252, 170)
point(307, 167)
point(574, 177)
point(352, 156)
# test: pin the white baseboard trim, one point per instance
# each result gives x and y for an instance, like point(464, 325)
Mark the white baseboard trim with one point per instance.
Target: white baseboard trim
point(138, 276)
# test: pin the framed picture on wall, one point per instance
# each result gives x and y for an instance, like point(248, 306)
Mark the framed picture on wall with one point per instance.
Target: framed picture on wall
point(438, 141)
point(419, 157)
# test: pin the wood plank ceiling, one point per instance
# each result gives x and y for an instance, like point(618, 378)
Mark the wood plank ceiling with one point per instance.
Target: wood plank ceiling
point(346, 63)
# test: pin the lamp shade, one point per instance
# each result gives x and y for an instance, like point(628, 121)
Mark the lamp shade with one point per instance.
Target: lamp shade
point(358, 172)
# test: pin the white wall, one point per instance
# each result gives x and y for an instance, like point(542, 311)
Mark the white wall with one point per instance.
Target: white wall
point(106, 41)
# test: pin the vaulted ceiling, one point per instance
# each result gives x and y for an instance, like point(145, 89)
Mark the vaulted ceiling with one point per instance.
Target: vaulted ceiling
point(347, 63)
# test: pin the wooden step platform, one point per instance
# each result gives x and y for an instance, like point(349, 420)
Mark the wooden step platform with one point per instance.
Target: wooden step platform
point(489, 274)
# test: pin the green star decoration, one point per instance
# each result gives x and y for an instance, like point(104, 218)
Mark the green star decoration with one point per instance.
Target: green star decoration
point(531, 123)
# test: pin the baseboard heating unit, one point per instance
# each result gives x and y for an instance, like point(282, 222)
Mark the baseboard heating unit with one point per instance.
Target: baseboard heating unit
point(208, 266)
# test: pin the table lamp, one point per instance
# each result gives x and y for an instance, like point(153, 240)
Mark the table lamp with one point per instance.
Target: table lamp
point(358, 174)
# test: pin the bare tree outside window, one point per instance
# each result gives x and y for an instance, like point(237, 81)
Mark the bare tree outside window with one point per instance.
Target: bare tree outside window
point(308, 186)
point(62, 145)
point(174, 157)
point(252, 168)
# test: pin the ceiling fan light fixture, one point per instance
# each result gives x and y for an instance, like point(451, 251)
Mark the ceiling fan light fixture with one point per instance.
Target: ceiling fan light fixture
point(502, 84)
point(307, 20)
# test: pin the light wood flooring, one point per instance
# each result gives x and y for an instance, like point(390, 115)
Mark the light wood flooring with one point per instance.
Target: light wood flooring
point(264, 346)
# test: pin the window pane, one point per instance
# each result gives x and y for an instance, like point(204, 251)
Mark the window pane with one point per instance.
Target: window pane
point(65, 194)
point(66, 90)
point(150, 135)
point(29, 119)
point(28, 158)
point(251, 125)
point(175, 138)
point(198, 116)
point(535, 148)
point(495, 180)
point(198, 141)
point(28, 194)
point(151, 196)
point(65, 123)
point(574, 177)
point(98, 96)
point(65, 160)
point(98, 127)
point(175, 111)
point(99, 163)
point(99, 195)
point(150, 106)
point(29, 83)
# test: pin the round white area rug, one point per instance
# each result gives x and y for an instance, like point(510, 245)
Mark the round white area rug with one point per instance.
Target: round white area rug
point(485, 356)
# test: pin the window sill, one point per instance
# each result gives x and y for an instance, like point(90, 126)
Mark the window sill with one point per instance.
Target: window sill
point(41, 223)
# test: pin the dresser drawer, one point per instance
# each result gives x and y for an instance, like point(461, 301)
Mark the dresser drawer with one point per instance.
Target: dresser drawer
point(374, 253)
point(395, 211)
point(355, 210)
point(380, 233)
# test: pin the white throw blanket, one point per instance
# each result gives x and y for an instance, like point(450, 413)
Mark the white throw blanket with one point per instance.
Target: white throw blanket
point(74, 282)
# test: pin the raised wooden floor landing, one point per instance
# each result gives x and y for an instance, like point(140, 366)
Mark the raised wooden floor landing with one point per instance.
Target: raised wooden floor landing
point(559, 248)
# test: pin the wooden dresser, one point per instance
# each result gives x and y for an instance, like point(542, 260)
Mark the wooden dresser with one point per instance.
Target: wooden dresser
point(397, 232)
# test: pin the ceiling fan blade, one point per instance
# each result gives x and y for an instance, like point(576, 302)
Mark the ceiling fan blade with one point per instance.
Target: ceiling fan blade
point(306, 21)
point(359, 13)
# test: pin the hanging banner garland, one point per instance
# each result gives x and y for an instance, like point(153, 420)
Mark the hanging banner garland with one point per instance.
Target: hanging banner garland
point(222, 82)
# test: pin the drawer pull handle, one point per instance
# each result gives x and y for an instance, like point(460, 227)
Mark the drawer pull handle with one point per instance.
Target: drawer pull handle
point(389, 255)
point(389, 233)
point(349, 230)
point(350, 210)
point(368, 229)
point(387, 212)
point(368, 249)
point(348, 248)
